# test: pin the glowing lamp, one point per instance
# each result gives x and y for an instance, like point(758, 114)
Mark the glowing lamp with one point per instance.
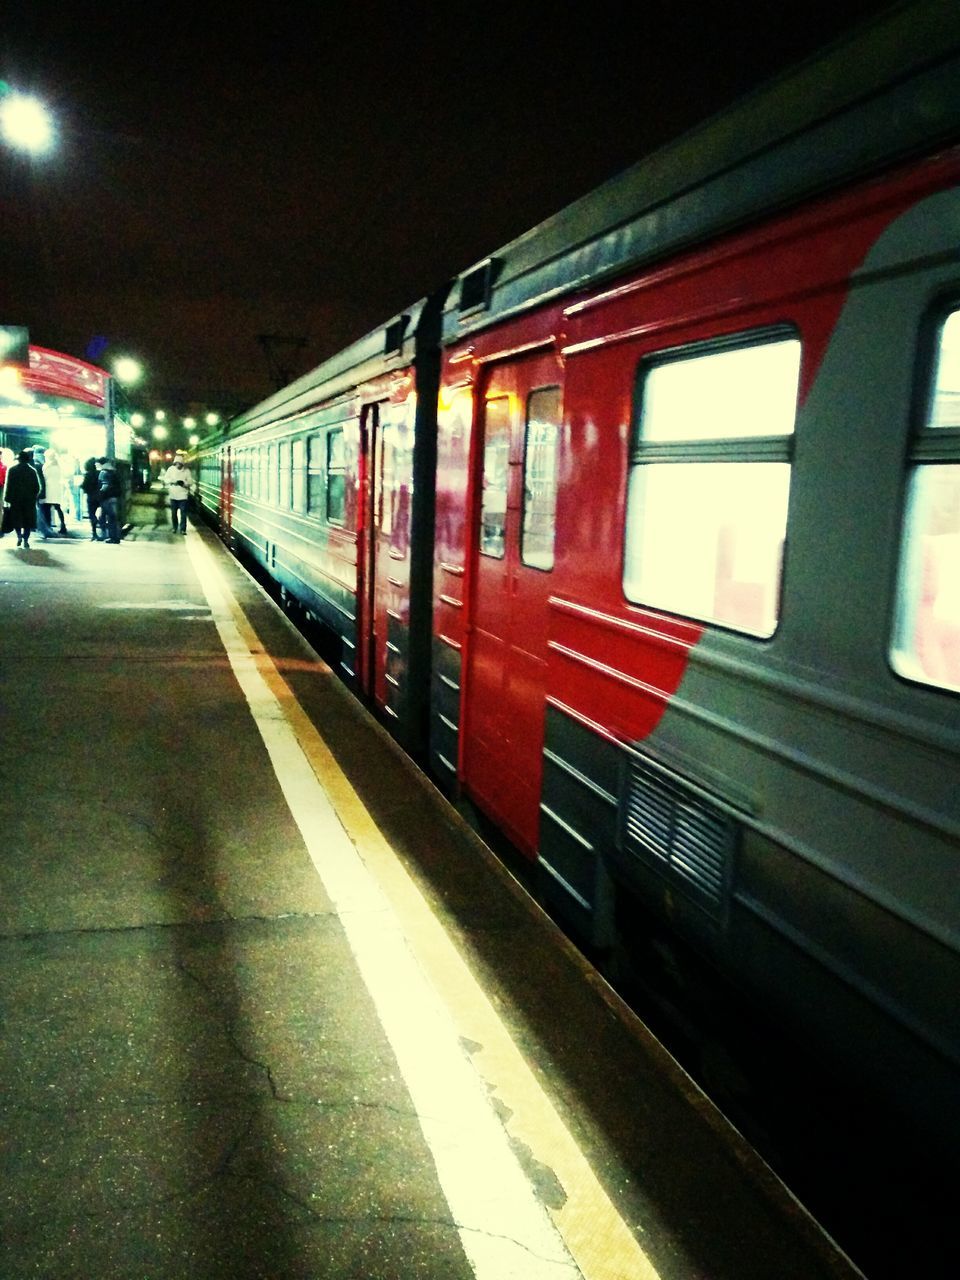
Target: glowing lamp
point(25, 123)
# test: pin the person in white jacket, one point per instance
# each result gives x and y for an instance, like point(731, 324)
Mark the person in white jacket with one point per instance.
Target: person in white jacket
point(179, 481)
point(53, 492)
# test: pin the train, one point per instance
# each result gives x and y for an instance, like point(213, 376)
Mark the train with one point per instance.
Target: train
point(642, 535)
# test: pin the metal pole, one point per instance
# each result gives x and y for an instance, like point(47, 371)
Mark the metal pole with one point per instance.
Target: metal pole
point(109, 408)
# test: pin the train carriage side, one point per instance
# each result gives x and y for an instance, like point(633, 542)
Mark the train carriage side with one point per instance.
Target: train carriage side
point(774, 786)
point(695, 627)
point(327, 486)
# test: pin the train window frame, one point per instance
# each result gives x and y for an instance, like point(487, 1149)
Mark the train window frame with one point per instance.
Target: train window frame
point(655, 503)
point(263, 470)
point(336, 478)
point(934, 448)
point(316, 495)
point(298, 469)
point(285, 451)
point(492, 539)
point(528, 491)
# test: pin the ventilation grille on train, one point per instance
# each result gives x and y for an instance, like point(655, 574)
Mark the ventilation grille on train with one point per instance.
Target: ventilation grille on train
point(679, 835)
point(476, 287)
point(394, 336)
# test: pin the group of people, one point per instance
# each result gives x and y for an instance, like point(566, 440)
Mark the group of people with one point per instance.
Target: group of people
point(34, 490)
point(103, 490)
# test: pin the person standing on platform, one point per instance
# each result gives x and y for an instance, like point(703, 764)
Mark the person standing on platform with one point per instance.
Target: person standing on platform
point(109, 495)
point(53, 495)
point(74, 485)
point(179, 481)
point(90, 485)
point(7, 459)
point(37, 461)
point(21, 491)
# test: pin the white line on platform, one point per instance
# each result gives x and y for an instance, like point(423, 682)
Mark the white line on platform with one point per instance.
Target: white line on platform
point(506, 1233)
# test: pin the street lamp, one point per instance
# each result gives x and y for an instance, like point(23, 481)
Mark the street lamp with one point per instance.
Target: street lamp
point(127, 370)
point(25, 123)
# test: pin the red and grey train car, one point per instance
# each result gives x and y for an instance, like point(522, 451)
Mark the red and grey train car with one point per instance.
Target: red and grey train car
point(646, 533)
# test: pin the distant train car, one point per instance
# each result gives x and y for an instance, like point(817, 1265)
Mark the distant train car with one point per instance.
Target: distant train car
point(668, 554)
point(328, 487)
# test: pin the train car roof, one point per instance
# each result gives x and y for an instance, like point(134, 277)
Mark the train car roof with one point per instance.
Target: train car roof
point(886, 92)
point(390, 346)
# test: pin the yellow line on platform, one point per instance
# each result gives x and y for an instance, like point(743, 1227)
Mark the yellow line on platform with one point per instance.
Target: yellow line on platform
point(598, 1239)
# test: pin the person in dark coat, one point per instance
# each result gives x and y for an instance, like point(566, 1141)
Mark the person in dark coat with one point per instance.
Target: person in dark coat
point(36, 456)
point(90, 484)
point(110, 492)
point(21, 490)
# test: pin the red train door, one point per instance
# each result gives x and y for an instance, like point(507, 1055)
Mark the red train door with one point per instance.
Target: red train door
point(374, 561)
point(517, 447)
point(226, 494)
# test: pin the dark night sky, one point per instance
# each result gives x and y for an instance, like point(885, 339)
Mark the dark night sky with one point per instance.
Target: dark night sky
point(312, 169)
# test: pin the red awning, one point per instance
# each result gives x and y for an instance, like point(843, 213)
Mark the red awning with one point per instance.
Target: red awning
point(54, 374)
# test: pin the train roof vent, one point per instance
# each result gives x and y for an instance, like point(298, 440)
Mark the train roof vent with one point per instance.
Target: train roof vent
point(476, 287)
point(394, 335)
point(678, 834)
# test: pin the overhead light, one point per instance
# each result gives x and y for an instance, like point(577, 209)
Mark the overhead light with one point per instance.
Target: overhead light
point(25, 123)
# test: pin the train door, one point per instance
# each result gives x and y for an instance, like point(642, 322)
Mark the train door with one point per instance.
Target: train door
point(373, 560)
point(227, 480)
point(518, 445)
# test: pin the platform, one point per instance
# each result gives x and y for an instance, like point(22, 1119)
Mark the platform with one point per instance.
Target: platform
point(270, 1009)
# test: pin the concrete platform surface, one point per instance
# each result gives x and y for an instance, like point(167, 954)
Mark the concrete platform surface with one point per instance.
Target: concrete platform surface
point(269, 1009)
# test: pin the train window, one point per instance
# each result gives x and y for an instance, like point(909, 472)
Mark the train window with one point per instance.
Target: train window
point(387, 489)
point(496, 468)
point(336, 478)
point(709, 483)
point(540, 477)
point(273, 474)
point(299, 474)
point(263, 488)
point(285, 474)
point(945, 401)
point(926, 644)
point(316, 474)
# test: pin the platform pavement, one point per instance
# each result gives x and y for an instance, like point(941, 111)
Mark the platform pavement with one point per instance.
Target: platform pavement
point(194, 1080)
